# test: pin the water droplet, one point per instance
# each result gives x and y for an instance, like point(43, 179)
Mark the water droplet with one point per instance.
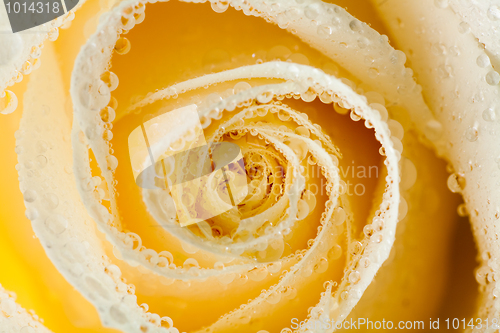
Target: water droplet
point(122, 46)
point(355, 25)
point(471, 134)
point(483, 61)
point(456, 183)
point(56, 224)
point(31, 213)
point(282, 20)
point(396, 129)
point(339, 215)
point(463, 27)
point(355, 116)
point(368, 230)
point(50, 200)
point(26, 68)
point(308, 96)
point(41, 161)
point(112, 162)
point(321, 266)
point(110, 79)
point(303, 131)
point(107, 114)
point(117, 312)
point(403, 209)
point(462, 210)
point(311, 12)
point(373, 72)
point(492, 78)
point(335, 252)
point(241, 86)
point(30, 195)
point(8, 101)
point(489, 115)
point(220, 6)
point(293, 13)
point(433, 130)
point(302, 209)
point(53, 34)
point(283, 115)
point(354, 277)
point(41, 146)
point(384, 114)
point(35, 52)
point(190, 263)
point(398, 57)
point(325, 97)
point(265, 97)
point(363, 42)
point(494, 13)
point(167, 322)
point(107, 135)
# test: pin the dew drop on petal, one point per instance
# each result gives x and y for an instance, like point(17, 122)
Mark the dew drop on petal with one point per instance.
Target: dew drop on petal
point(111, 80)
point(31, 214)
point(112, 162)
point(489, 115)
point(471, 134)
point(41, 161)
point(30, 195)
point(311, 12)
point(492, 78)
point(463, 28)
point(483, 61)
point(462, 210)
point(384, 114)
point(302, 209)
point(339, 215)
point(53, 34)
point(433, 130)
point(355, 25)
point(107, 114)
point(282, 20)
point(8, 102)
point(50, 200)
point(220, 6)
point(56, 224)
point(456, 183)
point(335, 252)
point(354, 277)
point(122, 46)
